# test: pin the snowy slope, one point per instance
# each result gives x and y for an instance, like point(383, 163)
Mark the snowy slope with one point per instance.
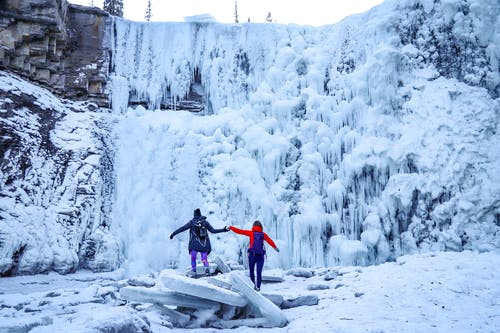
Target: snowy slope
point(354, 143)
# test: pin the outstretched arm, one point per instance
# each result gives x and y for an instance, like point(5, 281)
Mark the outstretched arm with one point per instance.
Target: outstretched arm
point(181, 229)
point(213, 230)
point(270, 241)
point(240, 231)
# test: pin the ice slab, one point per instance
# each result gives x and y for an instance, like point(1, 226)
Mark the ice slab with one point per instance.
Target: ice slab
point(222, 265)
point(219, 283)
point(168, 297)
point(200, 288)
point(278, 300)
point(266, 308)
point(272, 275)
point(177, 318)
point(250, 322)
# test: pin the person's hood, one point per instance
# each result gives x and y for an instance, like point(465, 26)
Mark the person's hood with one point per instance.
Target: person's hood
point(257, 228)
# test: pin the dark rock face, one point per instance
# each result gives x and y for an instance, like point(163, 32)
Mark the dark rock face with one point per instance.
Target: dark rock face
point(60, 46)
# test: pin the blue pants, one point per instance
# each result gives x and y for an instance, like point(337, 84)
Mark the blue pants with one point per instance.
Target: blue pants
point(255, 260)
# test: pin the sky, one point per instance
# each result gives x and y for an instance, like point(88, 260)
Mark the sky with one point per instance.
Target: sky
point(310, 12)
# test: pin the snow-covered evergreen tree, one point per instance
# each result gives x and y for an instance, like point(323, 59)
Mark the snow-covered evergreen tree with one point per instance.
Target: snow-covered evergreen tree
point(148, 14)
point(269, 18)
point(236, 12)
point(114, 7)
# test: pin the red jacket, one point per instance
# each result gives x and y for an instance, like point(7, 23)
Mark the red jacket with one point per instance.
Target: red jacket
point(249, 233)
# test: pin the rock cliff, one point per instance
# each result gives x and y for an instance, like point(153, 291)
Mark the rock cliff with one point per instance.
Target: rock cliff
point(60, 46)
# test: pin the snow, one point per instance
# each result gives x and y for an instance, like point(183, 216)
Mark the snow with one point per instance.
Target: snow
point(372, 142)
point(432, 292)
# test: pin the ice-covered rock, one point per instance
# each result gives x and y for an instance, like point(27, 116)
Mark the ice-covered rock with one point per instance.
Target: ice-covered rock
point(317, 286)
point(300, 272)
point(300, 301)
point(141, 281)
point(57, 177)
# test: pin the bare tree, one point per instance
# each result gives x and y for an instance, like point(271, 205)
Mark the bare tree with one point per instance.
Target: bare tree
point(148, 15)
point(236, 12)
point(114, 7)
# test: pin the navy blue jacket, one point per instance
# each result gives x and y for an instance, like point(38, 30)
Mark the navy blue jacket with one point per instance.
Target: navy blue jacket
point(195, 243)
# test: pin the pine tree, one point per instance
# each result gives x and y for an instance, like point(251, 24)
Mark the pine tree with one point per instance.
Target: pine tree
point(236, 12)
point(148, 15)
point(91, 4)
point(113, 7)
point(269, 18)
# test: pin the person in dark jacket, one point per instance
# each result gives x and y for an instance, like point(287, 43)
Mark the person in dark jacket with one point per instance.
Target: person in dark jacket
point(198, 238)
point(256, 250)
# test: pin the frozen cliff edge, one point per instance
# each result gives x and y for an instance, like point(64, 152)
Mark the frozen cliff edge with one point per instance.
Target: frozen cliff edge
point(56, 180)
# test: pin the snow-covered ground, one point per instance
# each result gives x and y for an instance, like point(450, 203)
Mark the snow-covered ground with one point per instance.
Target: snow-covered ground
point(433, 292)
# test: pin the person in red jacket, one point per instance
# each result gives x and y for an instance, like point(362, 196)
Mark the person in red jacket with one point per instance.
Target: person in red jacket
point(256, 250)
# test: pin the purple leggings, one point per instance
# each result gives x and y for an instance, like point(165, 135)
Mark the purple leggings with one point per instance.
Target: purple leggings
point(204, 259)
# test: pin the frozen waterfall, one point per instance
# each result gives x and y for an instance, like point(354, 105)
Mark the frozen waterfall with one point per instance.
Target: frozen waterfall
point(347, 141)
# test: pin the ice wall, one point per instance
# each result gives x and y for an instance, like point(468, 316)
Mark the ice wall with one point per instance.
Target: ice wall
point(353, 143)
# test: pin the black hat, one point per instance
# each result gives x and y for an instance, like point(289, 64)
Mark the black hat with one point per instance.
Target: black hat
point(197, 212)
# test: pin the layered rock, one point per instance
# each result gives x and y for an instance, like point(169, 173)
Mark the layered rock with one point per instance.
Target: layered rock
point(60, 46)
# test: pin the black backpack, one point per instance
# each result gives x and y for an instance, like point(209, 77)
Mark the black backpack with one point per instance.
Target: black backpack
point(200, 229)
point(258, 243)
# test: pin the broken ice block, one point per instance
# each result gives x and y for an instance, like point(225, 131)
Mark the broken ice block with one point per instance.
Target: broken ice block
point(158, 296)
point(266, 308)
point(200, 288)
point(222, 265)
point(177, 318)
